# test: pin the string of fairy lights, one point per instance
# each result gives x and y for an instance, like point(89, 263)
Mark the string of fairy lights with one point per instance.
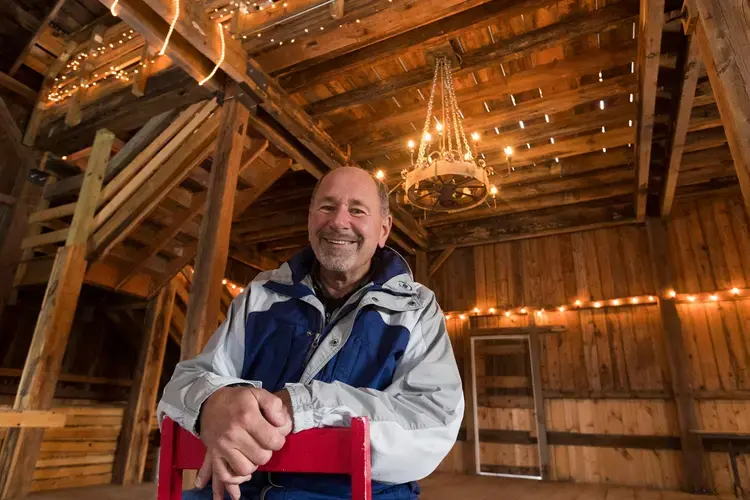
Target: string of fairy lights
point(683, 298)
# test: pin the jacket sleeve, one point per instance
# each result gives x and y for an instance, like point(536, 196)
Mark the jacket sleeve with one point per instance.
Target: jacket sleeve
point(414, 422)
point(219, 365)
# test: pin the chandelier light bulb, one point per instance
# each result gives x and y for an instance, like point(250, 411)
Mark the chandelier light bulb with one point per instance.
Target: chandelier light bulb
point(523, 310)
point(672, 293)
point(439, 127)
point(493, 190)
point(475, 136)
point(411, 145)
point(735, 291)
point(380, 175)
point(507, 314)
point(508, 151)
point(427, 137)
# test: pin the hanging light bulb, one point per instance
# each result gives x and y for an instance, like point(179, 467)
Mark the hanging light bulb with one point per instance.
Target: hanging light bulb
point(427, 137)
point(475, 136)
point(411, 145)
point(508, 151)
point(439, 128)
point(380, 175)
point(493, 190)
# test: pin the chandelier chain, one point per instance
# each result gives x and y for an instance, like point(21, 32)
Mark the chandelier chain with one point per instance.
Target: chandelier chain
point(426, 131)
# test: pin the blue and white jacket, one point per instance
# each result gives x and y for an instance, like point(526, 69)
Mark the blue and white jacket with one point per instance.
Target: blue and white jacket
point(385, 354)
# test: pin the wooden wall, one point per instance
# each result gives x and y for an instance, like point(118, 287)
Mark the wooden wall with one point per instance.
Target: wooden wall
point(607, 377)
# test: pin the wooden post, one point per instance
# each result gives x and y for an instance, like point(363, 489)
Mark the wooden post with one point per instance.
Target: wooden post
point(423, 269)
point(37, 385)
point(18, 162)
point(649, 47)
point(722, 31)
point(202, 312)
point(695, 479)
point(133, 444)
point(535, 356)
point(691, 68)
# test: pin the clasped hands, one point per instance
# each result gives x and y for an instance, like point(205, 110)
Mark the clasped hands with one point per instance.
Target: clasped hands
point(241, 428)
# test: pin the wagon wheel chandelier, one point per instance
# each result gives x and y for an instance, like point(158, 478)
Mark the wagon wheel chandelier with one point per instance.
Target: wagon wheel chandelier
point(448, 175)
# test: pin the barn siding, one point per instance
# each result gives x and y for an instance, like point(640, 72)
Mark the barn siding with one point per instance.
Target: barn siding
point(608, 373)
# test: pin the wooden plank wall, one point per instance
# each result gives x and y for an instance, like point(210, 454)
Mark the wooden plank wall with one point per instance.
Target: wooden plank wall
point(83, 452)
point(608, 375)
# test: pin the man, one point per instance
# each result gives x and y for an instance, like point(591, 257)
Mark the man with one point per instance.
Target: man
point(339, 331)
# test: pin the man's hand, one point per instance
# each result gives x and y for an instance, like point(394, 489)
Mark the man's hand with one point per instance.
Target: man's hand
point(241, 427)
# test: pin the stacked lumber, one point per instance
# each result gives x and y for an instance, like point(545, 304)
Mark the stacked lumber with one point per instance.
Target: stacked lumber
point(82, 453)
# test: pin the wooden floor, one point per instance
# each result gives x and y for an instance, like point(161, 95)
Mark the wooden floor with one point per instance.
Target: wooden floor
point(435, 487)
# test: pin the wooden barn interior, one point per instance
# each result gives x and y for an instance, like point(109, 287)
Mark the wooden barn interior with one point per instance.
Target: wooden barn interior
point(155, 155)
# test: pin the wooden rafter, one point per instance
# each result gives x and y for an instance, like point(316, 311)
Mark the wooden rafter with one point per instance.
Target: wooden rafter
point(681, 122)
point(541, 76)
point(649, 46)
point(189, 49)
point(722, 31)
point(314, 71)
point(51, 13)
point(444, 255)
point(502, 52)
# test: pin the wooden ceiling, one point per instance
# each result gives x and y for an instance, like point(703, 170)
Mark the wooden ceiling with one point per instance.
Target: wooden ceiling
point(559, 81)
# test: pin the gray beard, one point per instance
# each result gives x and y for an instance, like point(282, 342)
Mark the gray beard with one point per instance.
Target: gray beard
point(337, 263)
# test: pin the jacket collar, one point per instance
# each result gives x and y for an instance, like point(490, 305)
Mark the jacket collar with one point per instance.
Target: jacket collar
point(294, 279)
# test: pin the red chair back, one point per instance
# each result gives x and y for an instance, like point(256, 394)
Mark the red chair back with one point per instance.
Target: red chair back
point(332, 450)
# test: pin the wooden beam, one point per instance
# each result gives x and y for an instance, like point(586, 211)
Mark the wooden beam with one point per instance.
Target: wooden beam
point(560, 199)
point(694, 476)
point(44, 361)
point(444, 255)
point(535, 359)
point(48, 17)
point(649, 47)
point(146, 135)
point(691, 69)
point(422, 271)
point(155, 189)
point(132, 447)
point(141, 78)
point(314, 71)
point(18, 162)
point(16, 87)
point(550, 221)
point(202, 313)
point(544, 75)
point(31, 419)
point(571, 28)
point(122, 111)
point(254, 258)
point(722, 33)
point(337, 9)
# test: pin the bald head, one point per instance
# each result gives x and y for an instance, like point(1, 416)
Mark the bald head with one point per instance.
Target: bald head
point(358, 175)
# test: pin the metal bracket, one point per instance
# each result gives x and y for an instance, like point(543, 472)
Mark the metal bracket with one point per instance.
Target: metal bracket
point(443, 50)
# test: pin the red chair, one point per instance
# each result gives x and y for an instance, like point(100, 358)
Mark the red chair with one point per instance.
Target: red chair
point(333, 450)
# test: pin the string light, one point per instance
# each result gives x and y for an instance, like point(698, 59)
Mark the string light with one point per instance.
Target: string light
point(597, 304)
point(221, 57)
point(492, 310)
point(447, 316)
point(634, 300)
point(523, 310)
point(735, 291)
point(462, 317)
point(616, 302)
point(171, 27)
point(672, 294)
point(691, 298)
point(561, 308)
point(224, 281)
point(714, 297)
point(477, 310)
point(507, 314)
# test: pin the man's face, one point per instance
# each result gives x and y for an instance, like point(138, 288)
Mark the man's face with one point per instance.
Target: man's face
point(345, 224)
